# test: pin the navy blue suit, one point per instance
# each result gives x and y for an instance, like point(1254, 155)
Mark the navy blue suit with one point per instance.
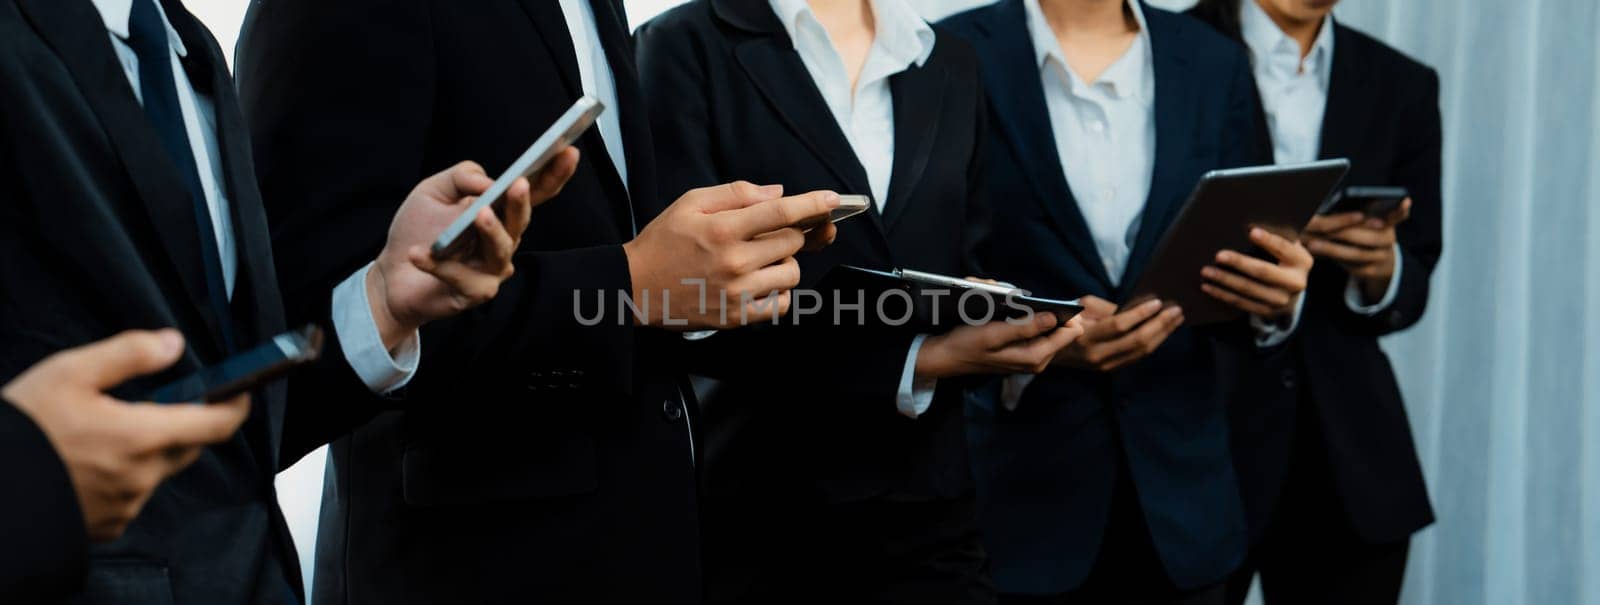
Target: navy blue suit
point(1047, 471)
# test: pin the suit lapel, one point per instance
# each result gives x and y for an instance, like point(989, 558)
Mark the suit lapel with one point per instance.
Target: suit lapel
point(256, 300)
point(78, 35)
point(918, 103)
point(1174, 117)
point(261, 315)
point(634, 121)
point(551, 22)
point(552, 25)
point(1349, 107)
point(1017, 96)
point(768, 58)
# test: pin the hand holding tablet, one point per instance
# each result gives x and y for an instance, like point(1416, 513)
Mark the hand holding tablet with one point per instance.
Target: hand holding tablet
point(1198, 263)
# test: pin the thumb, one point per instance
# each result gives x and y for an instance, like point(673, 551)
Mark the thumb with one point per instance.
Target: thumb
point(115, 360)
point(170, 426)
point(1096, 307)
point(1039, 324)
point(732, 196)
point(456, 183)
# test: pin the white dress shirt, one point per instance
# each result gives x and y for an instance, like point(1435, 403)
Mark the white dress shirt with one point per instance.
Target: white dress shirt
point(594, 73)
point(379, 368)
point(1294, 97)
point(1105, 136)
point(865, 115)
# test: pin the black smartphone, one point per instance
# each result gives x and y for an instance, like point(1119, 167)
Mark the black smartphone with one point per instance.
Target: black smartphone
point(1376, 202)
point(245, 371)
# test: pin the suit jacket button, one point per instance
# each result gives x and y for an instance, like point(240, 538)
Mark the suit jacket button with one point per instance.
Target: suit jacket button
point(671, 410)
point(1289, 380)
point(1126, 402)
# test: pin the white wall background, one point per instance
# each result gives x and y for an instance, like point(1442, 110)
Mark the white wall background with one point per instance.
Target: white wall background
point(1502, 378)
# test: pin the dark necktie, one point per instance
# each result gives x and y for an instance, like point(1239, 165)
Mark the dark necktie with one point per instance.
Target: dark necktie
point(147, 35)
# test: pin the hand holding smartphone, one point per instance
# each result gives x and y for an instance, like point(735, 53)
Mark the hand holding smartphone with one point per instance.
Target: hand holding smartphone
point(849, 206)
point(1375, 202)
point(246, 371)
point(561, 135)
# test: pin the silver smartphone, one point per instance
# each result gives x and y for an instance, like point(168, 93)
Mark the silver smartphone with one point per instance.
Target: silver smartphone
point(556, 139)
point(849, 205)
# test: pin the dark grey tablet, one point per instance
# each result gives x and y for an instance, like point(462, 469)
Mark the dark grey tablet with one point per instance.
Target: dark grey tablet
point(1218, 216)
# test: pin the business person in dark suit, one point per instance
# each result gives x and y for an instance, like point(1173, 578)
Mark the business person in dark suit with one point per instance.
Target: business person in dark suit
point(131, 204)
point(1108, 479)
point(573, 480)
point(1327, 460)
point(836, 465)
point(81, 464)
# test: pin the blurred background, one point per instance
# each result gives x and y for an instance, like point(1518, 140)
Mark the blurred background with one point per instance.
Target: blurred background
point(1502, 379)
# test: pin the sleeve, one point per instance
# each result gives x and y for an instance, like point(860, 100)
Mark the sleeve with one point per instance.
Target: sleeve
point(331, 193)
point(1421, 241)
point(1355, 299)
point(1271, 334)
point(672, 68)
point(979, 212)
point(673, 78)
point(915, 395)
point(47, 545)
point(383, 371)
point(1246, 143)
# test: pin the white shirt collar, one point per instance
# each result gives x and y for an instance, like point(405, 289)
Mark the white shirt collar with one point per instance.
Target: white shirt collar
point(1275, 50)
point(1127, 76)
point(116, 14)
point(901, 31)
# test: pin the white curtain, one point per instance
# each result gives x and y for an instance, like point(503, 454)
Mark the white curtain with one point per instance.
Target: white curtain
point(1502, 378)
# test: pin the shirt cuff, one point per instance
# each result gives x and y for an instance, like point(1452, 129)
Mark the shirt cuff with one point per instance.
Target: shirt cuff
point(1271, 333)
point(915, 395)
point(382, 370)
point(699, 335)
point(1357, 303)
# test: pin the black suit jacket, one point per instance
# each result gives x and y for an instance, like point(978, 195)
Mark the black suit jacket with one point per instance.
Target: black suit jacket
point(1383, 114)
point(40, 518)
point(732, 101)
point(532, 457)
point(99, 236)
point(1047, 471)
point(804, 416)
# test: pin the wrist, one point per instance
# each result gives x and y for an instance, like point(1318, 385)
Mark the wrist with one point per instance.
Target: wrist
point(933, 360)
point(638, 278)
point(393, 326)
point(1373, 288)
